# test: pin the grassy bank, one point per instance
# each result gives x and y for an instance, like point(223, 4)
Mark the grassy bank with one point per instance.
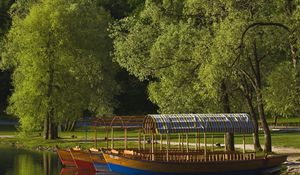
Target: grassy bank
point(86, 139)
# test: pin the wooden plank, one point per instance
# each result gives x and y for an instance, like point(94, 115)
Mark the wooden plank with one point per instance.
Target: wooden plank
point(112, 138)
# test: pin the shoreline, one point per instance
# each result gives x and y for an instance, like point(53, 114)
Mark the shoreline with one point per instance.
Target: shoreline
point(40, 145)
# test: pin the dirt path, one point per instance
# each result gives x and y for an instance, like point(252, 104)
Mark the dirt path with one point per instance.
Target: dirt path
point(7, 136)
point(293, 153)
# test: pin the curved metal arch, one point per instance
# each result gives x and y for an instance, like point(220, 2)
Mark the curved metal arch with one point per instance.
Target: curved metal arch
point(115, 118)
point(101, 121)
point(127, 121)
point(147, 123)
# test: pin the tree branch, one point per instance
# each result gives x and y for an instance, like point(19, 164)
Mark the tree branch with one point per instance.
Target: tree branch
point(248, 76)
point(253, 25)
point(257, 24)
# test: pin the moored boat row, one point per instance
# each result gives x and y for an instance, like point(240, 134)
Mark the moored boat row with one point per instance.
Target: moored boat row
point(92, 159)
point(160, 158)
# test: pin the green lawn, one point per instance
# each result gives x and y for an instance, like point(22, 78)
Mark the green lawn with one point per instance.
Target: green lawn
point(86, 139)
point(8, 130)
point(285, 120)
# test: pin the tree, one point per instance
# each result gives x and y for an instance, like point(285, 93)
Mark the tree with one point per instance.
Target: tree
point(281, 91)
point(168, 44)
point(133, 96)
point(283, 84)
point(59, 54)
point(253, 45)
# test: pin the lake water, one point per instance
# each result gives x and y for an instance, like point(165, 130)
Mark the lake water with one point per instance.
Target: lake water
point(22, 162)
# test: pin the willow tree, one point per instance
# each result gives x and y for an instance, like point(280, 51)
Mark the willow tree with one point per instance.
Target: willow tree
point(59, 54)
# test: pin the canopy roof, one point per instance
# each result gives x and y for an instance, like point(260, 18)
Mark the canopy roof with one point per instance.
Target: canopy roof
point(185, 123)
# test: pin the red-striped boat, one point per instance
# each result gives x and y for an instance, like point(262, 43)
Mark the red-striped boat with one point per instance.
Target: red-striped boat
point(82, 159)
point(65, 157)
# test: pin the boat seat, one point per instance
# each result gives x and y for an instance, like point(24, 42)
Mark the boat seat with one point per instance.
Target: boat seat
point(129, 152)
point(94, 149)
point(113, 151)
point(76, 148)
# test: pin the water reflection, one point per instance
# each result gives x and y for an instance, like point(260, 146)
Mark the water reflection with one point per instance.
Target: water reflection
point(73, 171)
point(24, 165)
point(20, 162)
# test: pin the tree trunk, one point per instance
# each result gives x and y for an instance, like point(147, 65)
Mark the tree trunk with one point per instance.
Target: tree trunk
point(226, 108)
point(267, 133)
point(46, 127)
point(52, 132)
point(72, 126)
point(275, 120)
point(256, 141)
point(260, 104)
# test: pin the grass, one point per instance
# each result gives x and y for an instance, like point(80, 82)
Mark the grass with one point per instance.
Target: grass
point(284, 120)
point(86, 139)
point(8, 130)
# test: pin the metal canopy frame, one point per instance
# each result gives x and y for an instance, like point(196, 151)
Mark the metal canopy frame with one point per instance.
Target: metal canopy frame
point(101, 122)
point(127, 122)
point(187, 123)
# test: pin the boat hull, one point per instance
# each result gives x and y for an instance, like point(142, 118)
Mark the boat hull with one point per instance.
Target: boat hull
point(82, 160)
point(98, 161)
point(65, 157)
point(130, 166)
point(100, 167)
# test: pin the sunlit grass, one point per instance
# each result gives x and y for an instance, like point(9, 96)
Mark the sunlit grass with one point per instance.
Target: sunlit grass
point(86, 139)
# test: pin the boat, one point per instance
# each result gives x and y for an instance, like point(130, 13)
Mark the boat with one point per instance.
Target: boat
point(82, 159)
point(68, 171)
point(98, 160)
point(65, 157)
point(186, 160)
point(135, 164)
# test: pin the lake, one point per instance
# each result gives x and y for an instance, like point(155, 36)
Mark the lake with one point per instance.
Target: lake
point(23, 162)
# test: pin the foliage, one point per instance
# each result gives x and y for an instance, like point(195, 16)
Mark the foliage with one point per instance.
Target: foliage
point(56, 67)
point(156, 47)
point(280, 91)
point(208, 56)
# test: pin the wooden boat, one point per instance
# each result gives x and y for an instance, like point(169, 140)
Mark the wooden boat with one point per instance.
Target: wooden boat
point(239, 163)
point(98, 160)
point(75, 171)
point(182, 159)
point(82, 159)
point(65, 157)
point(68, 171)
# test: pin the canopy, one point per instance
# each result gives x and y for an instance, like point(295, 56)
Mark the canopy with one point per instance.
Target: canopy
point(185, 123)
